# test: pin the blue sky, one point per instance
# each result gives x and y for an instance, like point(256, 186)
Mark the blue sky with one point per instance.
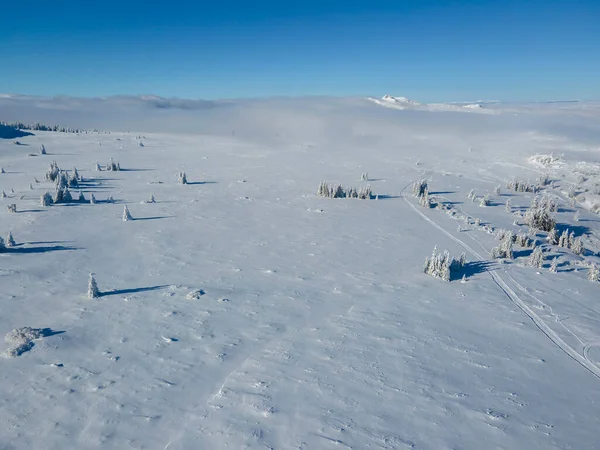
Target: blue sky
point(427, 50)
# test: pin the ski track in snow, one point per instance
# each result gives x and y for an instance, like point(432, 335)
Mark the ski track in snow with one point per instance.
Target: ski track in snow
point(542, 326)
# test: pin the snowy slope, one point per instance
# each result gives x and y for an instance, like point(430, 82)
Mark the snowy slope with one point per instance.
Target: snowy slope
point(315, 326)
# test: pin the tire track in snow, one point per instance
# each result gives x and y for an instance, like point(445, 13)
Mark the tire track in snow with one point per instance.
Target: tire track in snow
point(514, 298)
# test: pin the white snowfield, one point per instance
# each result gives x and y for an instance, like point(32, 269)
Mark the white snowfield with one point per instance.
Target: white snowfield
point(240, 310)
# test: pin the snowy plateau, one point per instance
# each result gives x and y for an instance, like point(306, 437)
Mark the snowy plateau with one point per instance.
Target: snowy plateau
point(238, 309)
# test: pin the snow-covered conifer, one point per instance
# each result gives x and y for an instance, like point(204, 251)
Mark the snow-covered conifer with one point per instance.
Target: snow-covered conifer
point(2, 170)
point(420, 187)
point(576, 216)
point(552, 237)
point(151, 199)
point(97, 168)
point(577, 246)
point(81, 197)
point(30, 187)
point(12, 208)
point(43, 150)
point(126, 214)
point(2, 245)
point(67, 198)
point(594, 273)
point(182, 178)
point(2, 194)
point(93, 291)
point(554, 265)
point(10, 241)
point(497, 190)
point(46, 199)
point(364, 176)
point(536, 259)
point(485, 200)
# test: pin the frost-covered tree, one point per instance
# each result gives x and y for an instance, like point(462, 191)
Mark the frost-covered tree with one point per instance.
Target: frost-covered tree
point(471, 195)
point(43, 150)
point(10, 241)
point(112, 165)
point(364, 192)
point(81, 198)
point(577, 246)
point(485, 200)
point(2, 245)
point(338, 191)
point(544, 180)
point(441, 265)
point(181, 178)
point(97, 168)
point(594, 273)
point(521, 186)
point(364, 176)
point(126, 214)
point(539, 218)
point(3, 194)
point(552, 237)
point(536, 259)
point(46, 199)
point(92, 199)
point(12, 208)
point(497, 190)
point(505, 249)
point(2, 170)
point(74, 179)
point(93, 291)
point(67, 198)
point(420, 187)
point(425, 200)
point(576, 216)
point(554, 265)
point(53, 172)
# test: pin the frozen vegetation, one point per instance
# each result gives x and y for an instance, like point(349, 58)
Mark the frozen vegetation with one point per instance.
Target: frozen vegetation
point(244, 311)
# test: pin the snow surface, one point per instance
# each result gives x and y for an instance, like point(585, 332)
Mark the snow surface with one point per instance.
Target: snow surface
point(243, 311)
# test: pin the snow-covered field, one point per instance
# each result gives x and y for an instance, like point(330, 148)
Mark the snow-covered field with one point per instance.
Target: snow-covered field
point(313, 325)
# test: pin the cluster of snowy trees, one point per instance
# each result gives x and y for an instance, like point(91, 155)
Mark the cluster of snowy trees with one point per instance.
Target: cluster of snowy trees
point(338, 191)
point(10, 242)
point(521, 186)
point(40, 127)
point(566, 240)
point(420, 189)
point(538, 215)
point(443, 266)
point(62, 182)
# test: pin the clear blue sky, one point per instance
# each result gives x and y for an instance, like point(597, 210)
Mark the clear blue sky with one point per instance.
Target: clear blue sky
point(427, 50)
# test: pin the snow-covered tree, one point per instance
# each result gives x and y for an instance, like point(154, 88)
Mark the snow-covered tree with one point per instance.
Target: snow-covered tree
point(53, 172)
point(112, 165)
point(497, 190)
point(2, 170)
point(364, 192)
point(93, 291)
point(3, 194)
point(181, 178)
point(126, 214)
point(420, 187)
point(97, 168)
point(46, 199)
point(151, 199)
point(552, 237)
point(576, 216)
point(92, 199)
point(485, 200)
point(554, 265)
point(441, 265)
point(594, 273)
point(12, 208)
point(505, 249)
point(2, 245)
point(577, 246)
point(539, 219)
point(471, 195)
point(67, 198)
point(81, 197)
point(43, 150)
point(10, 241)
point(536, 259)
point(364, 176)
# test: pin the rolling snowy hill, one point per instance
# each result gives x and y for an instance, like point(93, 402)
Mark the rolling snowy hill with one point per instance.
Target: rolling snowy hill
point(241, 310)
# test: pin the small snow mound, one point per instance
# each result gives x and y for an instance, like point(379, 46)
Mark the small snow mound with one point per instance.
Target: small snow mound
point(401, 100)
point(195, 295)
point(546, 160)
point(473, 106)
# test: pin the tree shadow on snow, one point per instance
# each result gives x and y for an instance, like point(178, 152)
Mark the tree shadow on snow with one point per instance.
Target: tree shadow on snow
point(132, 290)
point(579, 230)
point(153, 218)
point(43, 249)
point(191, 183)
point(30, 210)
point(137, 170)
point(473, 268)
point(385, 196)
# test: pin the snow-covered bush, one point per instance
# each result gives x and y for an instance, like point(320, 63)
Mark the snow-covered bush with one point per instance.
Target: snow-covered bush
point(126, 214)
point(46, 199)
point(21, 340)
point(92, 291)
point(181, 178)
point(536, 259)
point(441, 265)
